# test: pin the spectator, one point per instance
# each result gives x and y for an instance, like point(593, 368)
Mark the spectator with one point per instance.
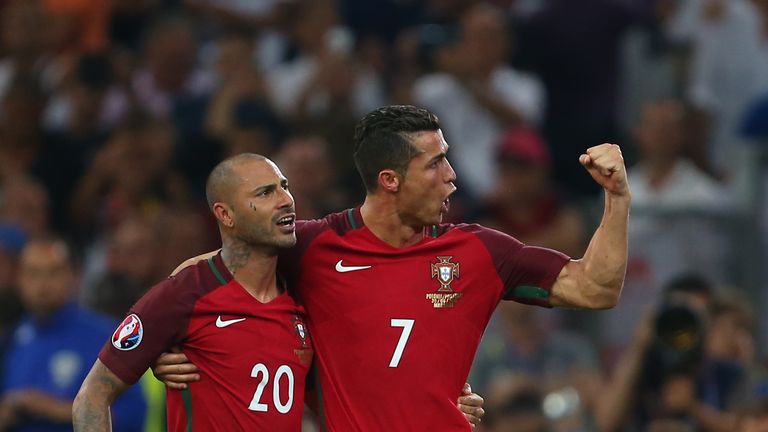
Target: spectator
point(170, 72)
point(580, 72)
point(319, 194)
point(525, 203)
point(131, 250)
point(22, 44)
point(673, 205)
point(26, 203)
point(664, 176)
point(90, 102)
point(78, 120)
point(728, 66)
point(522, 346)
point(254, 128)
point(237, 78)
point(180, 232)
point(667, 373)
point(324, 77)
point(52, 347)
point(731, 340)
point(21, 138)
point(131, 174)
point(477, 96)
point(516, 406)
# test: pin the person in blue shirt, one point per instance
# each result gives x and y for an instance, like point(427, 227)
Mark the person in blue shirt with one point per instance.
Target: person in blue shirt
point(52, 347)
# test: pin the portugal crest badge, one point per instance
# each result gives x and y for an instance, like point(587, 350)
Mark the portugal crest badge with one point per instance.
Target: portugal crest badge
point(301, 330)
point(304, 353)
point(446, 272)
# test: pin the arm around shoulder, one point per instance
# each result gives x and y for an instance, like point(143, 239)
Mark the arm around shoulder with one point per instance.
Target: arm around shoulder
point(90, 411)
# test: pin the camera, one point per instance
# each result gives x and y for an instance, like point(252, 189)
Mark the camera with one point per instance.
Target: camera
point(677, 347)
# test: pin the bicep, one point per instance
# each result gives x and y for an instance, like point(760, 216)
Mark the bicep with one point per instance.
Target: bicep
point(572, 289)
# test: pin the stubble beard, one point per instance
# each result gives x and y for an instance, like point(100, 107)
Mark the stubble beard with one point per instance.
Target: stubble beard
point(262, 237)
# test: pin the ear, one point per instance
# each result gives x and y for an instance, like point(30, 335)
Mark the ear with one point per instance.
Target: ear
point(223, 214)
point(389, 180)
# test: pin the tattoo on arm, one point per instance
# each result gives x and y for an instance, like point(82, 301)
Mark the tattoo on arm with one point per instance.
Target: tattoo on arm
point(90, 411)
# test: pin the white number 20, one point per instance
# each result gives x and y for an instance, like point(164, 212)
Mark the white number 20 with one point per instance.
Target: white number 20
point(407, 325)
point(261, 369)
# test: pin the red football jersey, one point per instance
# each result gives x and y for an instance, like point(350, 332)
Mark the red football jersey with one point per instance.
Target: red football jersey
point(395, 330)
point(253, 357)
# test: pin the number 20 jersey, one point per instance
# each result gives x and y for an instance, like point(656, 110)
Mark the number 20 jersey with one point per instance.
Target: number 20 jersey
point(395, 330)
point(253, 357)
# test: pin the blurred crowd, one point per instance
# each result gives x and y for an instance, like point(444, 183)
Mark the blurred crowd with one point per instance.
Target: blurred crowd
point(112, 112)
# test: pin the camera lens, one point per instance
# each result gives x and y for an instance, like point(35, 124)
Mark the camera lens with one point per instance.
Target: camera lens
point(679, 328)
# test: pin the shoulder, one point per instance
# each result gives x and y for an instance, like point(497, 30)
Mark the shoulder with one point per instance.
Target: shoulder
point(193, 261)
point(482, 233)
point(179, 291)
point(308, 230)
point(339, 222)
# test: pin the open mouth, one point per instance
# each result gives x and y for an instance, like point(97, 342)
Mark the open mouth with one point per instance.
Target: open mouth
point(446, 206)
point(287, 223)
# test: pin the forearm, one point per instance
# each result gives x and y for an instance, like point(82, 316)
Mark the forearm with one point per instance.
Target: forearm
point(43, 406)
point(595, 281)
point(605, 260)
point(90, 411)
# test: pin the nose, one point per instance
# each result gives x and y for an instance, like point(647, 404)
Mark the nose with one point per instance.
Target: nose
point(450, 173)
point(286, 199)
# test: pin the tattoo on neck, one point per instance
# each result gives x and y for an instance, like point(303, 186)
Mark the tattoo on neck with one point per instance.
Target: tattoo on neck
point(235, 255)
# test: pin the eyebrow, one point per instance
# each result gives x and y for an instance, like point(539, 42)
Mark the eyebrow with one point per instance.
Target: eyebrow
point(440, 156)
point(269, 187)
point(264, 188)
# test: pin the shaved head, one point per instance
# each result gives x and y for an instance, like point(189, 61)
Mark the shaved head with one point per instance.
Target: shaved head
point(223, 178)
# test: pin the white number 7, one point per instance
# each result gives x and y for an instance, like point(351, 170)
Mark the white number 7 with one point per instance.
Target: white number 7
point(407, 325)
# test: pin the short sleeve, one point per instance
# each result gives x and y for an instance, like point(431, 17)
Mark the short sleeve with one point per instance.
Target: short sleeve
point(527, 272)
point(153, 325)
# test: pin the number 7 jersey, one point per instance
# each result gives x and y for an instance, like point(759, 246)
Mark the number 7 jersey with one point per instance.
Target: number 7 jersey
point(395, 330)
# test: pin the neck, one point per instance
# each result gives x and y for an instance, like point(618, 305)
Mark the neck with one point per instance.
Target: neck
point(254, 269)
point(381, 217)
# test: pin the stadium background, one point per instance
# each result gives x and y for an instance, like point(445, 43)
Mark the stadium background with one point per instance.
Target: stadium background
point(113, 111)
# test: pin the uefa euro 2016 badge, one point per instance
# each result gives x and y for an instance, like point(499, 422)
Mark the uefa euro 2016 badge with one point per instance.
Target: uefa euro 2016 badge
point(128, 334)
point(445, 271)
point(305, 352)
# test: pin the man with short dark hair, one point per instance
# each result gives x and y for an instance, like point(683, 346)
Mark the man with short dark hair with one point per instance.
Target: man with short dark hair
point(52, 346)
point(397, 301)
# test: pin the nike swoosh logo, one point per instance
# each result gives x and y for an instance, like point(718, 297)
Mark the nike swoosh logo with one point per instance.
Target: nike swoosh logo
point(341, 268)
point(220, 323)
